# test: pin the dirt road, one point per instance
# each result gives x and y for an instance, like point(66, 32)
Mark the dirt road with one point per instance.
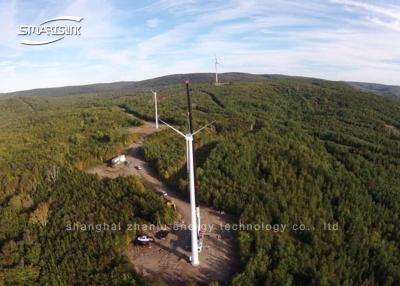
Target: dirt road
point(168, 259)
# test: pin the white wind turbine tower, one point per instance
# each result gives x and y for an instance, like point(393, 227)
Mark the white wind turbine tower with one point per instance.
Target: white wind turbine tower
point(194, 207)
point(216, 70)
point(155, 107)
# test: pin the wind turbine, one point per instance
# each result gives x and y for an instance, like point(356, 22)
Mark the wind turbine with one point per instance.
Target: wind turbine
point(216, 70)
point(155, 107)
point(194, 206)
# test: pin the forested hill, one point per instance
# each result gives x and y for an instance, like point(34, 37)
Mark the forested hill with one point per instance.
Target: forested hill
point(122, 86)
point(45, 142)
point(291, 152)
point(164, 81)
point(379, 89)
point(283, 151)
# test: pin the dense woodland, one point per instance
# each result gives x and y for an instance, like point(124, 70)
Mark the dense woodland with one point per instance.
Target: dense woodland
point(295, 152)
point(45, 143)
point(282, 151)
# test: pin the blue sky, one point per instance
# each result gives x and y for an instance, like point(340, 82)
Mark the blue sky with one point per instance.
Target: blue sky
point(354, 40)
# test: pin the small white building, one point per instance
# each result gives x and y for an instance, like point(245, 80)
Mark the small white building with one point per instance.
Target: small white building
point(118, 160)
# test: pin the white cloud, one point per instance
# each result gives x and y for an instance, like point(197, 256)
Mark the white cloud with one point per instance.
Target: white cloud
point(392, 12)
point(7, 23)
point(388, 16)
point(153, 23)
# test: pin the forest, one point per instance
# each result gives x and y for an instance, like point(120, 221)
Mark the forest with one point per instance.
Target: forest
point(282, 151)
point(46, 142)
point(295, 151)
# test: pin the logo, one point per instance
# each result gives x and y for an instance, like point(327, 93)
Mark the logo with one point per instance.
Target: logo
point(47, 28)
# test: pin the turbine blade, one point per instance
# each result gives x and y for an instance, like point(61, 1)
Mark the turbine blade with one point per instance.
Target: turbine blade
point(203, 127)
point(173, 128)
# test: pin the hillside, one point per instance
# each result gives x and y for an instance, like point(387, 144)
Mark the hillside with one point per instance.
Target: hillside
point(379, 89)
point(45, 142)
point(284, 151)
point(164, 81)
point(158, 82)
point(293, 152)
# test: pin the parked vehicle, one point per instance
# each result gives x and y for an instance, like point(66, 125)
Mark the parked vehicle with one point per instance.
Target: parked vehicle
point(143, 240)
point(162, 234)
point(163, 193)
point(137, 167)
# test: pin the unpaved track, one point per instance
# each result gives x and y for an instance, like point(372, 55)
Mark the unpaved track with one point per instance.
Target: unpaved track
point(168, 259)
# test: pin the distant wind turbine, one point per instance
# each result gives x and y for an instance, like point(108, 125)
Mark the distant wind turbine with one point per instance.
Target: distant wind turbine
point(216, 70)
point(155, 107)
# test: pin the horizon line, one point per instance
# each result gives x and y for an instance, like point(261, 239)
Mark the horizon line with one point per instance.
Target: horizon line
point(211, 73)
